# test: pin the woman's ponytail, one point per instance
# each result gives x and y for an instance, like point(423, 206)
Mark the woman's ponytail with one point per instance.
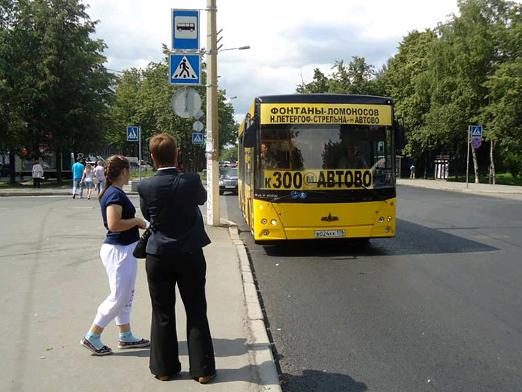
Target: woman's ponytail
point(112, 169)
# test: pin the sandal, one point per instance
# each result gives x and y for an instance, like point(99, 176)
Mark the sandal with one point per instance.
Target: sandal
point(99, 352)
point(137, 344)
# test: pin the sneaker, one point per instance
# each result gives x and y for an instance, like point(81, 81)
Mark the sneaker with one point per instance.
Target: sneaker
point(138, 344)
point(99, 352)
point(74, 196)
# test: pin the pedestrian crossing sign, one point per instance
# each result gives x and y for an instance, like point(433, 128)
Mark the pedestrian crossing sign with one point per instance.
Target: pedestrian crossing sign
point(185, 69)
point(476, 131)
point(197, 138)
point(133, 133)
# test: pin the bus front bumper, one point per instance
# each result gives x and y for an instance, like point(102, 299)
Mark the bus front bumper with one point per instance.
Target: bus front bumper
point(317, 233)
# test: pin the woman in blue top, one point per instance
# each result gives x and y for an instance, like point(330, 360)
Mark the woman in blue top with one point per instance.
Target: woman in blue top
point(116, 254)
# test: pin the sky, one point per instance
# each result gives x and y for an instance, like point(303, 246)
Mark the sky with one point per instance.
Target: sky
point(288, 38)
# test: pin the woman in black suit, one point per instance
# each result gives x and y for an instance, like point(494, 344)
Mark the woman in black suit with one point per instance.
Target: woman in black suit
point(169, 200)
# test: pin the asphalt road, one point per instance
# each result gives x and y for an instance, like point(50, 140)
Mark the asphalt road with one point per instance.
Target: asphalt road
point(437, 308)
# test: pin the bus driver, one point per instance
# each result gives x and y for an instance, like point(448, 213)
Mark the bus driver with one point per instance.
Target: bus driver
point(352, 159)
point(266, 158)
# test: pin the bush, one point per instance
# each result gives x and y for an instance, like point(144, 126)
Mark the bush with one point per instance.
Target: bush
point(513, 163)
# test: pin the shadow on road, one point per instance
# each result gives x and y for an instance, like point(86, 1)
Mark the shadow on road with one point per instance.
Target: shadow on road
point(315, 380)
point(411, 239)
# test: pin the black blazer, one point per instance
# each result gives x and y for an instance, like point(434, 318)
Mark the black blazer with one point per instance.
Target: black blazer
point(175, 196)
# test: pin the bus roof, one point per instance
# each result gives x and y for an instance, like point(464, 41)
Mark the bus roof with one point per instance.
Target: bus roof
point(325, 98)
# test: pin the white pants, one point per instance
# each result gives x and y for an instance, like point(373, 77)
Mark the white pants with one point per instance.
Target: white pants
point(120, 266)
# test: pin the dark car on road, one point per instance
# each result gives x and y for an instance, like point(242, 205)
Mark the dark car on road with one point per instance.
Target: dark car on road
point(228, 180)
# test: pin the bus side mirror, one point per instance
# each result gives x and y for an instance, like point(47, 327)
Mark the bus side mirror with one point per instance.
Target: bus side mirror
point(399, 136)
point(250, 138)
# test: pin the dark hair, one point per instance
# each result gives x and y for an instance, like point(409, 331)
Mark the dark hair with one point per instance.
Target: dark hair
point(113, 167)
point(164, 150)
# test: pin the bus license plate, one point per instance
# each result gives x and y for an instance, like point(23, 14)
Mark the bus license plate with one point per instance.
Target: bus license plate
point(330, 233)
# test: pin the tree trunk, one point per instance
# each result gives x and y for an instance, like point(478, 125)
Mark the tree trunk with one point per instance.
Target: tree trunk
point(492, 173)
point(59, 168)
point(12, 170)
point(475, 165)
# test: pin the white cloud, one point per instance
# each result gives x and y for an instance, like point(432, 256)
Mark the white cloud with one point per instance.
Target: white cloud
point(288, 39)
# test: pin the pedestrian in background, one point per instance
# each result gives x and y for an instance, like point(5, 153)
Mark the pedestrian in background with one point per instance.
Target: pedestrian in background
point(100, 177)
point(412, 171)
point(170, 201)
point(77, 174)
point(37, 173)
point(118, 216)
point(88, 180)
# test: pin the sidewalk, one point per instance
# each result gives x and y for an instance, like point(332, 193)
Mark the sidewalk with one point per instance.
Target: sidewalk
point(54, 281)
point(57, 191)
point(504, 191)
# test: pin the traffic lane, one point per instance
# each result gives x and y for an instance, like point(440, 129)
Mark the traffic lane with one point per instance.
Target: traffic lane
point(432, 308)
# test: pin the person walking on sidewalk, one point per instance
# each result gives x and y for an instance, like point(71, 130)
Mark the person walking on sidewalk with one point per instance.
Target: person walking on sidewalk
point(100, 176)
point(88, 180)
point(412, 171)
point(120, 265)
point(38, 174)
point(175, 256)
point(77, 173)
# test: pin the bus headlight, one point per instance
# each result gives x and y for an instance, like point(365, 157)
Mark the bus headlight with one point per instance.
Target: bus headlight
point(381, 219)
point(264, 221)
point(273, 222)
point(265, 232)
point(389, 219)
point(387, 229)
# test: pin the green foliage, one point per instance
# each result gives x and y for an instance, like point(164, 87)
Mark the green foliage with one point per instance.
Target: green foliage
point(357, 77)
point(57, 93)
point(229, 154)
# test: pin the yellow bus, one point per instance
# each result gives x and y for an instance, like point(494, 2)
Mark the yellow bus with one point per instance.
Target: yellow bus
point(316, 166)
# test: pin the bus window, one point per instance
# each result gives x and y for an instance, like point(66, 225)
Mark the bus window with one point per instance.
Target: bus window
point(321, 146)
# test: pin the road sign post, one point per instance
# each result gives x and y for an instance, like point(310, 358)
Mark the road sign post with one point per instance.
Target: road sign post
point(474, 141)
point(134, 135)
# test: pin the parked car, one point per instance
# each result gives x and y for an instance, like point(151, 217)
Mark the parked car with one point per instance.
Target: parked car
point(228, 180)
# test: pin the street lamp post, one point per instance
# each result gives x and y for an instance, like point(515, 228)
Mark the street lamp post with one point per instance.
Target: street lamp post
point(212, 148)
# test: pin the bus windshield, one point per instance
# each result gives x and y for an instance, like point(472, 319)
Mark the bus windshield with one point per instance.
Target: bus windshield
point(327, 147)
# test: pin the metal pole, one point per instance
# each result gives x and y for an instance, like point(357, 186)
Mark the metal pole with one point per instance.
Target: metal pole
point(467, 160)
point(212, 148)
point(139, 152)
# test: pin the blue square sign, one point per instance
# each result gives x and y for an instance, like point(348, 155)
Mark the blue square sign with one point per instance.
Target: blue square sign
point(185, 29)
point(198, 138)
point(185, 69)
point(133, 133)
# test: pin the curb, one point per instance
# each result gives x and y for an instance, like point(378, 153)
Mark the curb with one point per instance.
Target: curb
point(479, 192)
point(12, 194)
point(259, 346)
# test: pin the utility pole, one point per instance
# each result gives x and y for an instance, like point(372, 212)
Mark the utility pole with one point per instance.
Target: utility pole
point(212, 148)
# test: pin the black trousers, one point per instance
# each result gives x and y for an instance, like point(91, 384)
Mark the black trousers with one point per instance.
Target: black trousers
point(188, 271)
point(37, 182)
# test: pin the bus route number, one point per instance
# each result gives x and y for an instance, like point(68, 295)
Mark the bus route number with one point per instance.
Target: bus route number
point(318, 179)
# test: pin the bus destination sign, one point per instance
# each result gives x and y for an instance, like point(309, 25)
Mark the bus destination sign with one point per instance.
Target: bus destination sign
point(315, 113)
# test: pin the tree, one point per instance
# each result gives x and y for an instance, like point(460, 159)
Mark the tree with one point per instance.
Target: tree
point(59, 86)
point(357, 77)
